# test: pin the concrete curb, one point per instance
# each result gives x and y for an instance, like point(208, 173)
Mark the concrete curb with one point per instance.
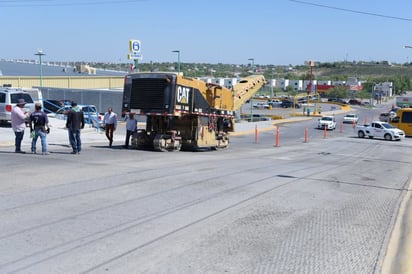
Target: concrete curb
point(399, 253)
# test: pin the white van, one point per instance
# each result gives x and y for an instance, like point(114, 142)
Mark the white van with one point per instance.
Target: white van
point(35, 93)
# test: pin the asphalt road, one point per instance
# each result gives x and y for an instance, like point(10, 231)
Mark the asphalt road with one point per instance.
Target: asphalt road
point(325, 206)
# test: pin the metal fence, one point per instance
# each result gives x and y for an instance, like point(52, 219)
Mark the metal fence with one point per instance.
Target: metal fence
point(102, 99)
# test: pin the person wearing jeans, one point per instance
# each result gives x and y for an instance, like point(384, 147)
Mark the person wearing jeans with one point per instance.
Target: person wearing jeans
point(38, 132)
point(18, 123)
point(39, 123)
point(74, 123)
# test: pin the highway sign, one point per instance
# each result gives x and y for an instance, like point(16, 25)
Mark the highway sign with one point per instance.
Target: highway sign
point(134, 55)
point(135, 46)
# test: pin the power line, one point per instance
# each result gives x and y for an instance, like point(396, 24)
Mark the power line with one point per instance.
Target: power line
point(53, 3)
point(353, 11)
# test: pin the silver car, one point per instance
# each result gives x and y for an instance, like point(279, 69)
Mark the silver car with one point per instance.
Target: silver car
point(91, 116)
point(350, 119)
point(8, 100)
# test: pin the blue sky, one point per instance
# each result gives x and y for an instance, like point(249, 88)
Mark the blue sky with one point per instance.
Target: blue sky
point(278, 32)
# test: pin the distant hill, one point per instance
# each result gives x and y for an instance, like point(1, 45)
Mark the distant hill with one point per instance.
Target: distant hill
point(365, 71)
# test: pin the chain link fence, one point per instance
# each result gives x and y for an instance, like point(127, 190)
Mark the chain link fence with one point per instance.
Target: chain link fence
point(102, 99)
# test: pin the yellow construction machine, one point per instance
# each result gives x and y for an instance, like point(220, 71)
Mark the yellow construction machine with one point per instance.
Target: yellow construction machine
point(182, 112)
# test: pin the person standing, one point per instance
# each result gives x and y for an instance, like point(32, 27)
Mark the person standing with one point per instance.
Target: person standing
point(39, 123)
point(110, 124)
point(18, 123)
point(75, 122)
point(131, 127)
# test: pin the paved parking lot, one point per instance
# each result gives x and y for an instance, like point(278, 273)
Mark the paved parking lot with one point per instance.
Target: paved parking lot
point(92, 136)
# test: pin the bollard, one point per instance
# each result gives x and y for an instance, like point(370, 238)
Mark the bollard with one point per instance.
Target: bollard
point(341, 127)
point(306, 135)
point(324, 133)
point(256, 134)
point(277, 137)
point(353, 124)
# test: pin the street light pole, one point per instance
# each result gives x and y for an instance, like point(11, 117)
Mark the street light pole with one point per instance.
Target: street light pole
point(40, 54)
point(178, 60)
point(253, 62)
point(312, 88)
point(251, 99)
point(271, 86)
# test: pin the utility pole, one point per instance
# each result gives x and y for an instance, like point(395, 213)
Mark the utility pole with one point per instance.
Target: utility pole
point(40, 54)
point(251, 99)
point(178, 59)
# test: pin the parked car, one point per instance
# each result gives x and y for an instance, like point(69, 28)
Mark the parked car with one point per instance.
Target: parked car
point(341, 101)
point(275, 102)
point(91, 116)
point(338, 100)
point(261, 105)
point(257, 118)
point(327, 122)
point(289, 104)
point(303, 100)
point(314, 97)
point(35, 93)
point(8, 100)
point(355, 102)
point(384, 117)
point(350, 119)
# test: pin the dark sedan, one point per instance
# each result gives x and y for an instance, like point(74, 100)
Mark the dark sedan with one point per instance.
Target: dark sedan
point(289, 104)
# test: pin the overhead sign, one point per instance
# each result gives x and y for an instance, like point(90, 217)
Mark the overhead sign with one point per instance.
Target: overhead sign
point(135, 46)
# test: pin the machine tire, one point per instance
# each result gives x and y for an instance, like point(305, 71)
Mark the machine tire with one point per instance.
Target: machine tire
point(388, 137)
point(159, 143)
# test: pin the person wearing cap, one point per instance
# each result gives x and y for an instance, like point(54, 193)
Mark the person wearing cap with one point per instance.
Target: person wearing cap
point(18, 123)
point(74, 123)
point(39, 123)
point(131, 127)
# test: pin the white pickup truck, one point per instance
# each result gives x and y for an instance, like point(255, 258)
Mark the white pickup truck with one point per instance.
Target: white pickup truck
point(378, 129)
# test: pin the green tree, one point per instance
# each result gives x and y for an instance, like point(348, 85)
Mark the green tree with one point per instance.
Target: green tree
point(401, 83)
point(277, 91)
point(338, 92)
point(291, 91)
point(364, 94)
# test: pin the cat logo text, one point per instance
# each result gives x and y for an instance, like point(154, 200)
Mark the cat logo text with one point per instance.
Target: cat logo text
point(183, 94)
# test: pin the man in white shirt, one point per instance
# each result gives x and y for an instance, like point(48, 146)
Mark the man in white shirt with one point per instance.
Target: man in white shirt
point(18, 123)
point(131, 127)
point(110, 124)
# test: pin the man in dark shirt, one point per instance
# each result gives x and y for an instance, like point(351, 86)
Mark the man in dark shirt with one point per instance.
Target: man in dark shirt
point(39, 124)
point(75, 122)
